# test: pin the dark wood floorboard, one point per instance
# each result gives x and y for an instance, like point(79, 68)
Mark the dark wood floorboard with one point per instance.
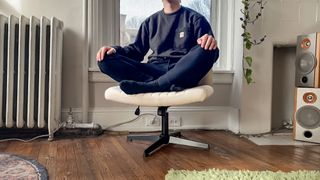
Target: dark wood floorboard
point(113, 157)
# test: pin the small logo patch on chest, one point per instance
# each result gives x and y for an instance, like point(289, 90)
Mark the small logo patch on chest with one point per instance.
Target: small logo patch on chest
point(181, 35)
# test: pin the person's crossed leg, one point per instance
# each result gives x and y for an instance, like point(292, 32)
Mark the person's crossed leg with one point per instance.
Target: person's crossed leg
point(186, 73)
point(142, 78)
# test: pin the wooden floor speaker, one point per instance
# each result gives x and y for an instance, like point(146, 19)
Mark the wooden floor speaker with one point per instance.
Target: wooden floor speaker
point(307, 61)
point(307, 115)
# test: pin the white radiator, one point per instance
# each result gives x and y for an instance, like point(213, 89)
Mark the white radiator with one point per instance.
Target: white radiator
point(30, 72)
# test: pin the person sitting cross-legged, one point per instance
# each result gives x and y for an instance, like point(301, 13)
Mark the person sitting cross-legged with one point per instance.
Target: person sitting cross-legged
point(183, 51)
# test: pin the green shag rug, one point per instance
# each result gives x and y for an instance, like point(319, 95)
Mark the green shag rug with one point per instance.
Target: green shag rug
point(213, 174)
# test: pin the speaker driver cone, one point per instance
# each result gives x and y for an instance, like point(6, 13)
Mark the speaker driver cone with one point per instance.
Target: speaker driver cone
point(308, 117)
point(306, 63)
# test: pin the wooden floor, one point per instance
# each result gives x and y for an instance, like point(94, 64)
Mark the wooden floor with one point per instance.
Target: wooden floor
point(112, 157)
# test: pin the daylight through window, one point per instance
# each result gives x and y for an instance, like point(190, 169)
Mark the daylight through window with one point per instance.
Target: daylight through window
point(133, 13)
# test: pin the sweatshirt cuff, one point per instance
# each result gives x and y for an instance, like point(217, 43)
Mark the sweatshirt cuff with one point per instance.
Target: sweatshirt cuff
point(118, 49)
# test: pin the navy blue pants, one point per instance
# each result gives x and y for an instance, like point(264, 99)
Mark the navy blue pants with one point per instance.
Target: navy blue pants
point(185, 72)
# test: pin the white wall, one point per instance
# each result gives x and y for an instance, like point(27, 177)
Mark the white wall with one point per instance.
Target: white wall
point(71, 13)
point(235, 99)
point(283, 21)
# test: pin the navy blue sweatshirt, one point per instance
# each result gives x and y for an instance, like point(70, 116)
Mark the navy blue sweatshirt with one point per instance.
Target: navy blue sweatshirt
point(167, 35)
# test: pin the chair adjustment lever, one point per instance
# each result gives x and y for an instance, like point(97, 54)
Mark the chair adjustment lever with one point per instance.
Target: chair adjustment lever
point(137, 111)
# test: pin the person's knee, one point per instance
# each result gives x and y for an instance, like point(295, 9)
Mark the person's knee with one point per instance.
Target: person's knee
point(214, 54)
point(211, 54)
point(102, 66)
point(105, 63)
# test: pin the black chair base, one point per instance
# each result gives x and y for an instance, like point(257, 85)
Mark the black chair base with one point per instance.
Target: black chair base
point(165, 137)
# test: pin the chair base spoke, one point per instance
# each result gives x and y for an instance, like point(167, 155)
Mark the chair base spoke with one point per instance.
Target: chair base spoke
point(160, 141)
point(165, 137)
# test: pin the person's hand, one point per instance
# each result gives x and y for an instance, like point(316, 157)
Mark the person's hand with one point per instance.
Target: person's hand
point(207, 42)
point(103, 51)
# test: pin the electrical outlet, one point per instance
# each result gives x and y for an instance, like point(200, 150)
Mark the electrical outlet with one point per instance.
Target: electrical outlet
point(152, 121)
point(175, 121)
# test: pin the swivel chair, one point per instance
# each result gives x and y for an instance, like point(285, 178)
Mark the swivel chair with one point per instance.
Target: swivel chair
point(164, 100)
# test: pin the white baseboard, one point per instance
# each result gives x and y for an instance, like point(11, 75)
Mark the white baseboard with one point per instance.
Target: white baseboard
point(193, 117)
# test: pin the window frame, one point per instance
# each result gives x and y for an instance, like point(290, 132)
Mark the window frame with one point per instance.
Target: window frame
point(106, 30)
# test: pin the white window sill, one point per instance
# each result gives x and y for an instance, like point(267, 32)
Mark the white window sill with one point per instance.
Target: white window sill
point(219, 76)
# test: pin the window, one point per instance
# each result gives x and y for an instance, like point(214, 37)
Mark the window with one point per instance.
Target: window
point(133, 14)
point(115, 22)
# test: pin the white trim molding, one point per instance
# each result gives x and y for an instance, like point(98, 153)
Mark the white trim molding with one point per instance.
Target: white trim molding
point(86, 56)
point(230, 34)
point(223, 22)
point(93, 27)
point(104, 25)
point(219, 77)
point(192, 117)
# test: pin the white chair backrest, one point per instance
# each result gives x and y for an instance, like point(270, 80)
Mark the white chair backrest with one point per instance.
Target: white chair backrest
point(207, 79)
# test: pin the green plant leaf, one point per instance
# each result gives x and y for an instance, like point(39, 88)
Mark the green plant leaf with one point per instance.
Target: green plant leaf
point(249, 60)
point(248, 34)
point(249, 80)
point(245, 2)
point(248, 72)
point(248, 75)
point(248, 45)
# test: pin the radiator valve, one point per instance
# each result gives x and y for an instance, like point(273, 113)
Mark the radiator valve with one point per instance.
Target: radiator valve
point(70, 117)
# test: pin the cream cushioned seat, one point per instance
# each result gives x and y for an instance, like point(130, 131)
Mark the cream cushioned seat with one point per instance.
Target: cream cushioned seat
point(187, 96)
